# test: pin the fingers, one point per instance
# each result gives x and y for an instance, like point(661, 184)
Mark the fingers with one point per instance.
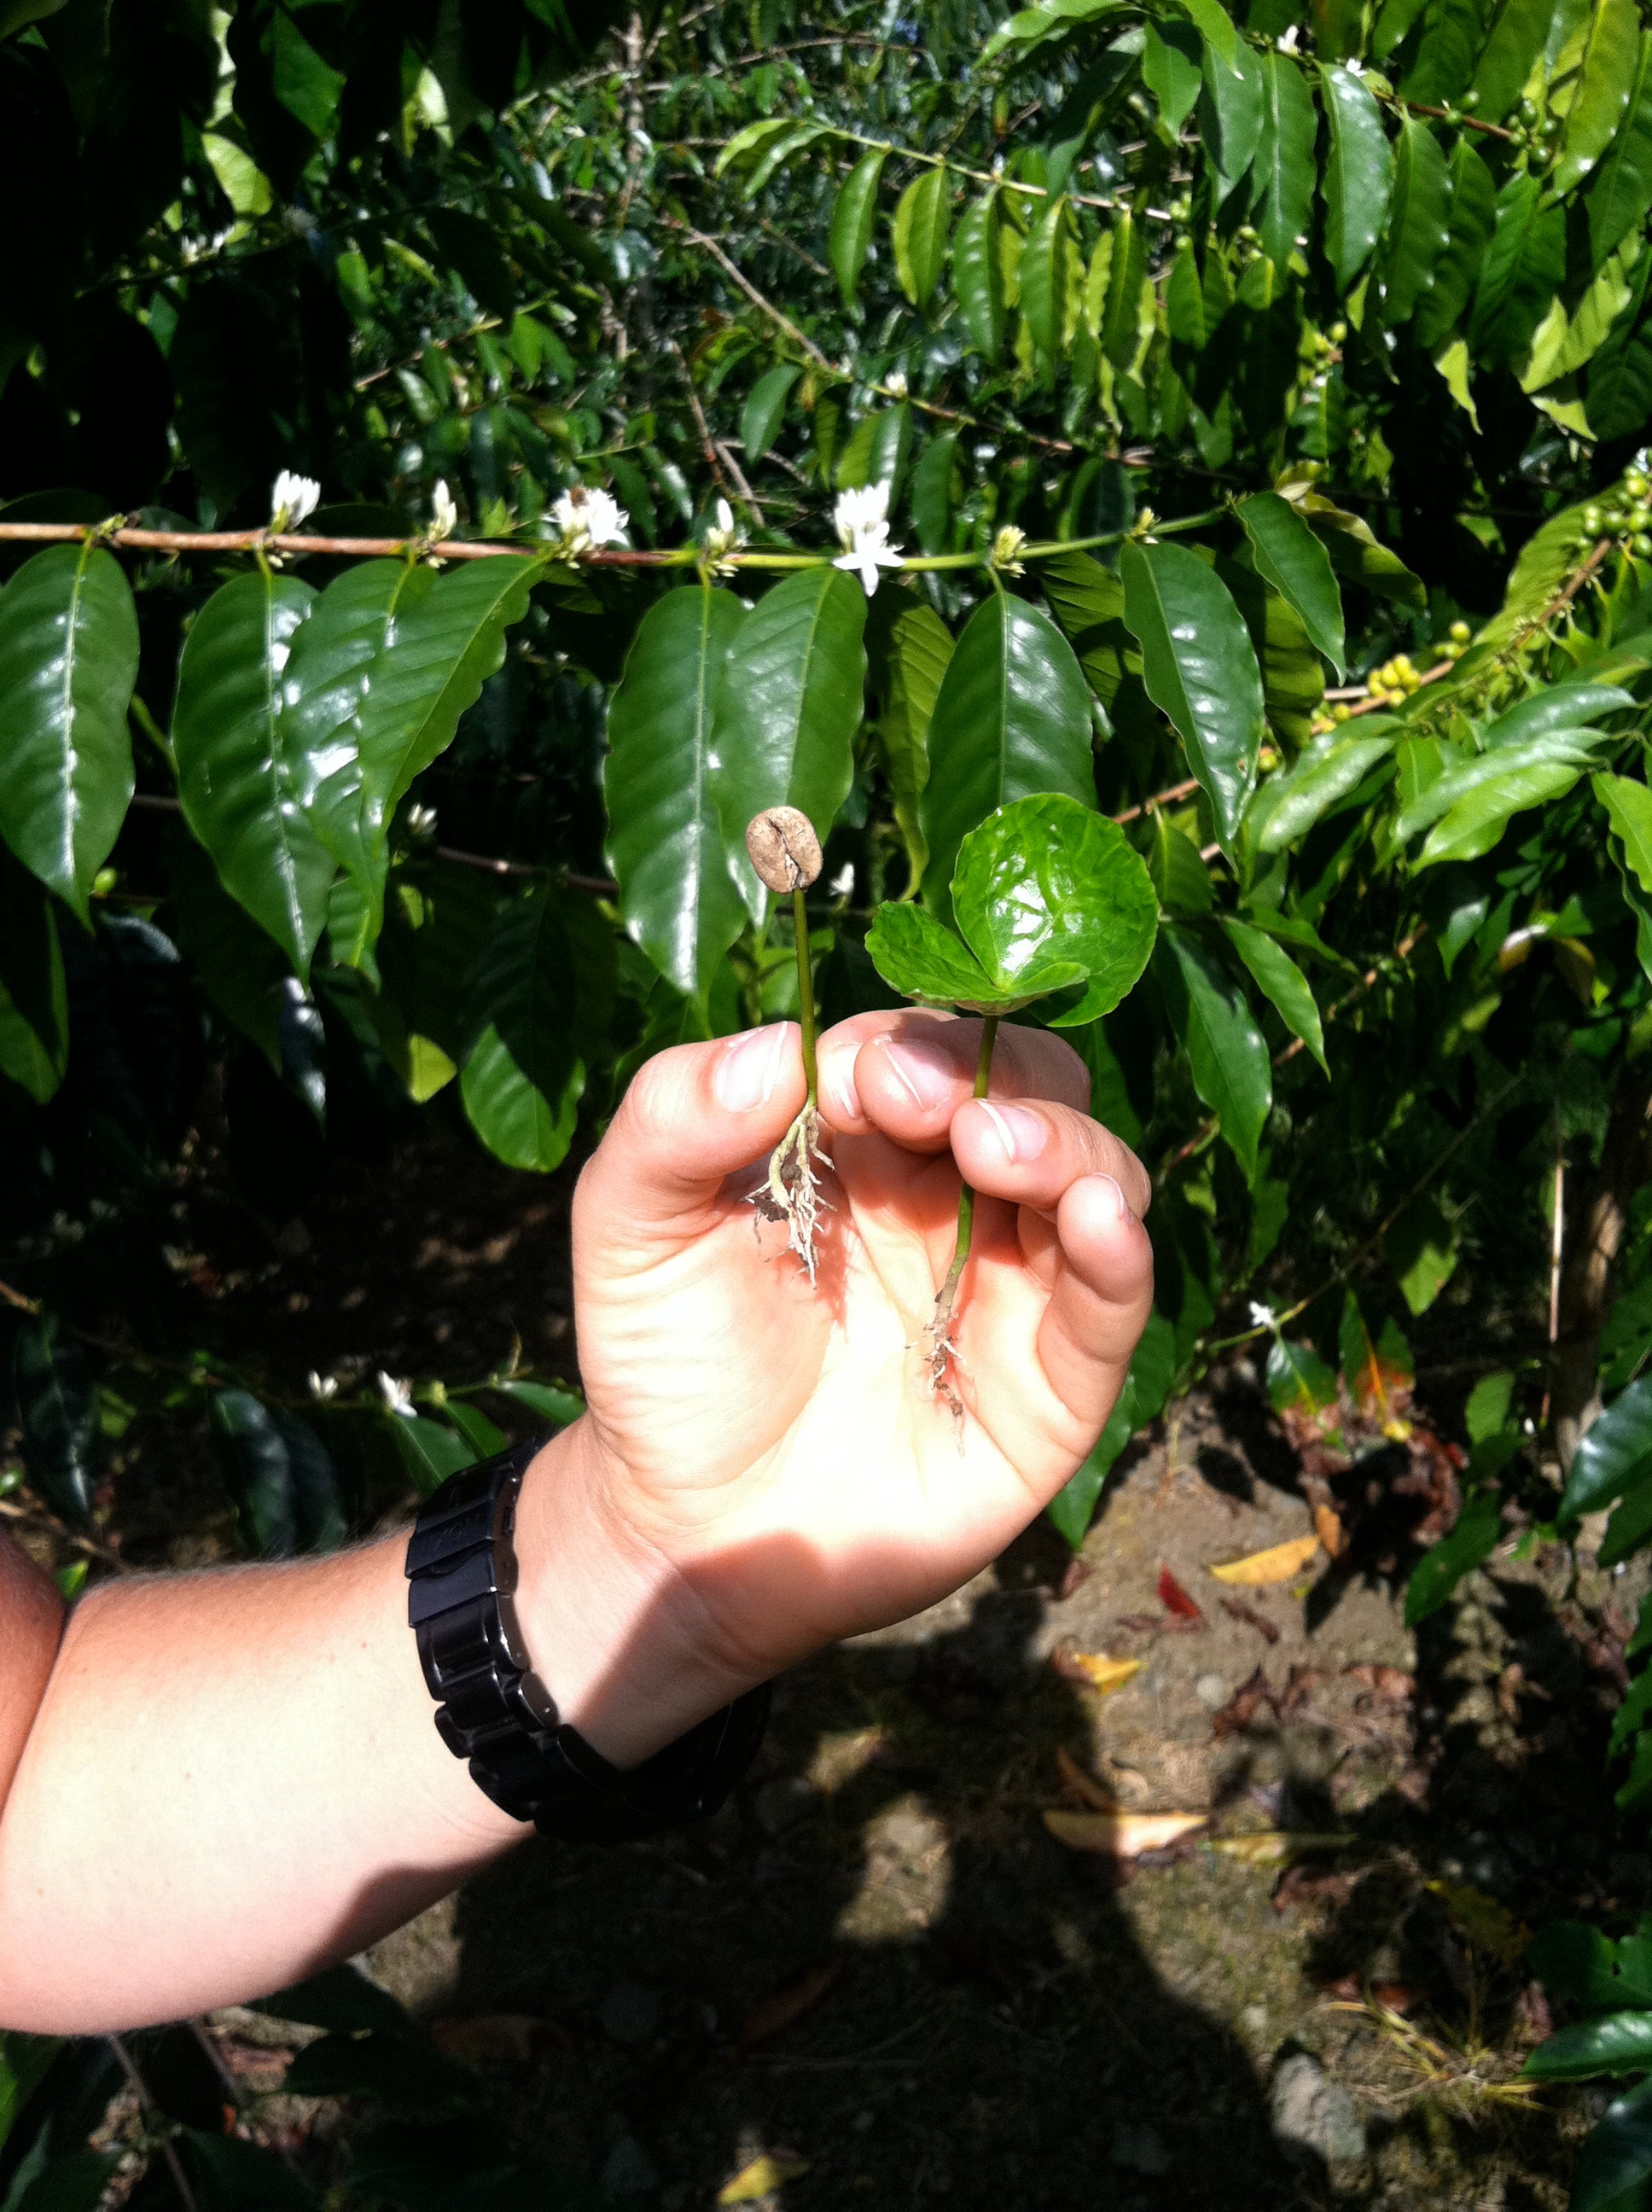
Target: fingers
point(1065, 1299)
point(1029, 1151)
point(906, 1072)
point(690, 1117)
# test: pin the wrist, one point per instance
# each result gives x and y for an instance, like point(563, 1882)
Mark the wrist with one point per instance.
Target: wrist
point(612, 1628)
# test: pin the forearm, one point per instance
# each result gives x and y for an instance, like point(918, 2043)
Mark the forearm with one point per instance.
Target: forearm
point(234, 1777)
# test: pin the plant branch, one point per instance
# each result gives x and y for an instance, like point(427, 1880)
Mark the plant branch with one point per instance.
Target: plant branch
point(140, 2089)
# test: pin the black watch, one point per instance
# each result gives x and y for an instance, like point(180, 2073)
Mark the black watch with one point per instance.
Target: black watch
point(493, 1710)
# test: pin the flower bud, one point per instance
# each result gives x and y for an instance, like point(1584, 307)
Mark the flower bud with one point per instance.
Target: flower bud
point(784, 848)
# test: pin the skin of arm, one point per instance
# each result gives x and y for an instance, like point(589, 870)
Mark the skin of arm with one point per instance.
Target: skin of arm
point(212, 1784)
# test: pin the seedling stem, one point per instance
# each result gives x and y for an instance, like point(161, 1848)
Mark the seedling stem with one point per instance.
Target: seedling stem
point(938, 1347)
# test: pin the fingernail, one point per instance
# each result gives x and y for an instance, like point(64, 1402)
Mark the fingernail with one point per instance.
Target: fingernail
point(925, 1071)
point(838, 1094)
point(751, 1067)
point(1022, 1135)
point(1115, 1192)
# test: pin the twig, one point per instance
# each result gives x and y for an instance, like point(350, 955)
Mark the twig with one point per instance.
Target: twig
point(140, 2089)
point(598, 886)
point(40, 1518)
point(1448, 115)
point(757, 299)
point(1369, 706)
point(740, 484)
point(1405, 946)
point(700, 423)
point(1160, 799)
point(1557, 1252)
point(16, 1298)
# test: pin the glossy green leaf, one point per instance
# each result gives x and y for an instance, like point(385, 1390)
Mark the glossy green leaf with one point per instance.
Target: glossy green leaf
point(1213, 22)
point(1628, 809)
point(933, 483)
point(909, 661)
point(280, 1478)
point(1227, 1057)
point(1359, 173)
point(552, 1403)
point(978, 273)
point(787, 710)
point(1356, 554)
point(241, 792)
point(1621, 195)
point(1444, 61)
point(339, 653)
point(1285, 156)
point(1615, 2164)
point(1613, 2043)
point(448, 640)
point(1049, 269)
point(1230, 113)
point(1419, 222)
point(1119, 329)
point(1200, 669)
point(1579, 1966)
point(1276, 975)
point(677, 891)
point(1476, 823)
point(524, 1078)
point(67, 662)
point(1602, 102)
point(1048, 879)
point(852, 222)
point(1524, 266)
point(1171, 59)
point(765, 410)
point(430, 1453)
point(1437, 1573)
point(1011, 719)
point(923, 217)
point(33, 999)
point(1542, 748)
point(1288, 805)
point(1473, 218)
point(1614, 1455)
point(1563, 343)
point(1180, 880)
point(1512, 45)
point(1620, 374)
point(242, 967)
point(921, 957)
point(1422, 1249)
point(1297, 564)
point(1293, 674)
point(57, 1414)
point(1089, 604)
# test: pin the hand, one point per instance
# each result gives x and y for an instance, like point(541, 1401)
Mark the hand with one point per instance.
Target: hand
point(765, 1465)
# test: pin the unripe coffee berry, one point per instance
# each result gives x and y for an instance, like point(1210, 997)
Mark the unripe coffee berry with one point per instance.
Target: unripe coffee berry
point(784, 848)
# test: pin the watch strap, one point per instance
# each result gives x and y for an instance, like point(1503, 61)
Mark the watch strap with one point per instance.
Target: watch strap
point(493, 1710)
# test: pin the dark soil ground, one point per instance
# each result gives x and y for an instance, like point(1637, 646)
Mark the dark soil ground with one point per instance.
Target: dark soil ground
point(878, 1964)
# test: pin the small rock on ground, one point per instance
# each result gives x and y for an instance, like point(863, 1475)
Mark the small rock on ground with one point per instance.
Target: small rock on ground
point(1313, 2115)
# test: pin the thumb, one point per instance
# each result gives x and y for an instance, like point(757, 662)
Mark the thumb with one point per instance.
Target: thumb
point(690, 1117)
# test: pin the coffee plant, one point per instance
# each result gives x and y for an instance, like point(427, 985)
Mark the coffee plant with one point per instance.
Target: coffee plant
point(463, 465)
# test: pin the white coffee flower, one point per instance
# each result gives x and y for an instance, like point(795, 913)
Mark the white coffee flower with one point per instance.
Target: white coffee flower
point(292, 499)
point(323, 1386)
point(420, 821)
point(444, 513)
point(1287, 39)
point(724, 536)
point(1006, 547)
point(1262, 1316)
point(587, 517)
point(861, 518)
point(896, 383)
point(397, 1397)
point(843, 882)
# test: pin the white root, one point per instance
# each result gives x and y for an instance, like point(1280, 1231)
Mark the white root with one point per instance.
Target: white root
point(791, 1192)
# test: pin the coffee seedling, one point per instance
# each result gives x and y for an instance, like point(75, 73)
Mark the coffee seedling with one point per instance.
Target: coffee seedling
point(785, 854)
point(1047, 897)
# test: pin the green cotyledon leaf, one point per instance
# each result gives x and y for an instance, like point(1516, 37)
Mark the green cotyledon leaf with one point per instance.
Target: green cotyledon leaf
point(919, 957)
point(1048, 879)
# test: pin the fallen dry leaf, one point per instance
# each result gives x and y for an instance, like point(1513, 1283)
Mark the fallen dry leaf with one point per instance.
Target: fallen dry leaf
point(772, 2015)
point(1243, 1705)
point(1252, 1618)
point(1095, 1669)
point(1327, 1527)
point(1175, 1599)
point(1297, 1887)
point(766, 2173)
point(1084, 1786)
point(1270, 1845)
point(1389, 1686)
point(1121, 1835)
point(1482, 1921)
point(1079, 1572)
point(1276, 1565)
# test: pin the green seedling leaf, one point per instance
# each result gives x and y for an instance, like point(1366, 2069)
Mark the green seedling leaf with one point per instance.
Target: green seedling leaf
point(919, 957)
point(67, 662)
point(1299, 568)
point(1047, 879)
point(1011, 721)
point(1199, 667)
